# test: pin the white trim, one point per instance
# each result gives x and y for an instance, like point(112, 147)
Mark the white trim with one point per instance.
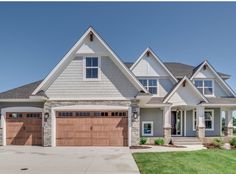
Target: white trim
point(178, 85)
point(23, 100)
point(129, 126)
point(181, 123)
point(147, 122)
point(86, 107)
point(158, 60)
point(216, 74)
point(99, 69)
point(221, 122)
point(185, 125)
point(114, 57)
point(90, 99)
point(213, 118)
point(15, 109)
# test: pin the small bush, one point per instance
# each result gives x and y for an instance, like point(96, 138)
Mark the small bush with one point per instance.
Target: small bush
point(143, 140)
point(233, 142)
point(217, 142)
point(159, 141)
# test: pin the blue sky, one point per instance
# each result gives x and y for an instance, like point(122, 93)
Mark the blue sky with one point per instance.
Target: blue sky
point(35, 36)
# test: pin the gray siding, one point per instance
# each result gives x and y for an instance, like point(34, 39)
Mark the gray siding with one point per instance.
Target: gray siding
point(70, 83)
point(155, 115)
point(189, 124)
point(165, 86)
point(219, 91)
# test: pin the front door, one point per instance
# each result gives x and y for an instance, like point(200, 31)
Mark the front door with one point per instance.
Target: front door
point(176, 123)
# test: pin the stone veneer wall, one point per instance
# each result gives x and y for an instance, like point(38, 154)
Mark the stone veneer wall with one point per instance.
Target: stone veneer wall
point(51, 104)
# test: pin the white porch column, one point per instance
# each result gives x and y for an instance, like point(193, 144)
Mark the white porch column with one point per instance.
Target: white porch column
point(200, 121)
point(229, 123)
point(167, 123)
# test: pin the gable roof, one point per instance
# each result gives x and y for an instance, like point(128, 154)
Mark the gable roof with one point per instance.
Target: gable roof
point(22, 92)
point(157, 59)
point(197, 70)
point(175, 88)
point(179, 70)
point(72, 51)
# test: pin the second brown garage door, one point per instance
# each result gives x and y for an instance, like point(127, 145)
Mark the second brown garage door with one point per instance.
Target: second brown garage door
point(92, 128)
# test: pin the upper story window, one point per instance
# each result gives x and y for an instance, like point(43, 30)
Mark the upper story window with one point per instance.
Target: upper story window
point(150, 85)
point(204, 86)
point(91, 68)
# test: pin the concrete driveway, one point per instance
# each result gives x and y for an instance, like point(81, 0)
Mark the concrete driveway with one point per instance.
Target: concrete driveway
point(66, 160)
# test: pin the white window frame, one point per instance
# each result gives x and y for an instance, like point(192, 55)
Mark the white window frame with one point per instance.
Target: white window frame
point(147, 122)
point(84, 68)
point(203, 83)
point(212, 120)
point(150, 78)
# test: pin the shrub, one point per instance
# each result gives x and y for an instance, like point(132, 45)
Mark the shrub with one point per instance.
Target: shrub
point(217, 142)
point(159, 141)
point(143, 140)
point(233, 142)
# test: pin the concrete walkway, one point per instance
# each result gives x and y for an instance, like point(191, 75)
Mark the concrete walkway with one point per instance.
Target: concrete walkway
point(66, 160)
point(169, 149)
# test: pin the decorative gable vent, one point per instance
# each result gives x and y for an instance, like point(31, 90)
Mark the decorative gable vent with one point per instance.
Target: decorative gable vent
point(205, 67)
point(184, 83)
point(91, 36)
point(148, 53)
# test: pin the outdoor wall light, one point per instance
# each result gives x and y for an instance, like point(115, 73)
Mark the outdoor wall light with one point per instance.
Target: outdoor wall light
point(46, 116)
point(135, 114)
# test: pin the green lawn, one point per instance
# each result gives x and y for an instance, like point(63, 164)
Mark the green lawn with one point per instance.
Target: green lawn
point(195, 162)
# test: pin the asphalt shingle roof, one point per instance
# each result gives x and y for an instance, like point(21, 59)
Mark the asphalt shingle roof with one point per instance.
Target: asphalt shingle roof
point(22, 92)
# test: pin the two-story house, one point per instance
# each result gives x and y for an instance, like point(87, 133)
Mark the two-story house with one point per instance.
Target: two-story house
point(92, 98)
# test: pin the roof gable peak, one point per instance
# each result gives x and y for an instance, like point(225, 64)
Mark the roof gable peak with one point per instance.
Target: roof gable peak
point(91, 33)
point(149, 52)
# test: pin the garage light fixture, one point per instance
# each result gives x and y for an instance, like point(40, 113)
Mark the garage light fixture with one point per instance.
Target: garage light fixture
point(135, 114)
point(46, 116)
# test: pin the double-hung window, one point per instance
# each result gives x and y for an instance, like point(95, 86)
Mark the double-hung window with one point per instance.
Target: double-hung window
point(150, 85)
point(209, 119)
point(204, 86)
point(91, 68)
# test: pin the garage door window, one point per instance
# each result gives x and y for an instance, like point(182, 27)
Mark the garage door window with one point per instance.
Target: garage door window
point(15, 115)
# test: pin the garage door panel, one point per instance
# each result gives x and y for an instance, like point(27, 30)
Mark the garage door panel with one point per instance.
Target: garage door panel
point(85, 129)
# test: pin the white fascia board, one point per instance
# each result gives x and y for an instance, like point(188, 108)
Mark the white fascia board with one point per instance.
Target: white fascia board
point(175, 89)
point(122, 67)
point(89, 99)
point(22, 100)
point(157, 59)
point(215, 73)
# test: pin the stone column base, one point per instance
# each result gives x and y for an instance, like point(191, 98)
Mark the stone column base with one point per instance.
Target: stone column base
point(229, 131)
point(201, 132)
point(167, 135)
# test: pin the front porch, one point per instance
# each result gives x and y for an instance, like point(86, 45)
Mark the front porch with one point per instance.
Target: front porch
point(186, 122)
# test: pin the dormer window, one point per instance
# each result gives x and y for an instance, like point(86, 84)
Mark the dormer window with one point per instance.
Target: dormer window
point(150, 85)
point(205, 86)
point(91, 68)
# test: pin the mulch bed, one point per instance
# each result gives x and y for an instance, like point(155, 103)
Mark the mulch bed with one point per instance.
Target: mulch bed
point(148, 147)
point(140, 147)
point(212, 146)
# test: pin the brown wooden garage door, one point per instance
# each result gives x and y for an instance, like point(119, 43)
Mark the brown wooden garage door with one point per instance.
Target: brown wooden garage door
point(92, 128)
point(24, 128)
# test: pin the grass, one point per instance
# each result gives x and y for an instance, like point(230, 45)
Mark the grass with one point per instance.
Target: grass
point(195, 162)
